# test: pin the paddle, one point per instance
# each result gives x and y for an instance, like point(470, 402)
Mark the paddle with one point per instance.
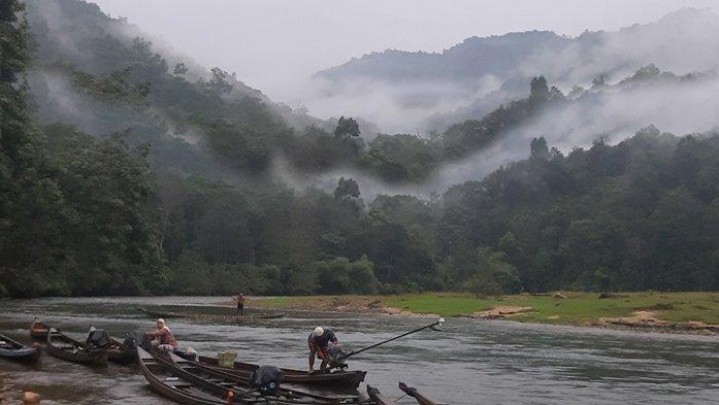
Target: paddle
point(343, 356)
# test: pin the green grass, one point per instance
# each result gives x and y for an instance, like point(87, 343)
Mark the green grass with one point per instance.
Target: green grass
point(575, 309)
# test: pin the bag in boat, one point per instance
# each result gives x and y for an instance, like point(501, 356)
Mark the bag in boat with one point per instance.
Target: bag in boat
point(98, 338)
point(266, 379)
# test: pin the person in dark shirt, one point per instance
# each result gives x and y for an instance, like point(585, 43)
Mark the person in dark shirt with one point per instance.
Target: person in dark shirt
point(240, 304)
point(319, 343)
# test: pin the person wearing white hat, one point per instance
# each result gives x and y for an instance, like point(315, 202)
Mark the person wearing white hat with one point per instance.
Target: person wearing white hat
point(319, 343)
point(164, 339)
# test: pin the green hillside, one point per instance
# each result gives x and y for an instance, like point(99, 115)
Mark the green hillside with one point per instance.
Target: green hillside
point(125, 170)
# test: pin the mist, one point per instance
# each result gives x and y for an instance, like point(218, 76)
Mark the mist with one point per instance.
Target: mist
point(679, 109)
point(682, 42)
point(613, 114)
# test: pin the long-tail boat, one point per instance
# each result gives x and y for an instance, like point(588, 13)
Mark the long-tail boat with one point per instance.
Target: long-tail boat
point(230, 317)
point(66, 348)
point(217, 374)
point(187, 383)
point(412, 392)
point(120, 352)
point(377, 396)
point(379, 399)
point(13, 350)
point(164, 380)
point(336, 378)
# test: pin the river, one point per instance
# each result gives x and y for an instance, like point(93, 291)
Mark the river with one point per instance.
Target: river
point(469, 362)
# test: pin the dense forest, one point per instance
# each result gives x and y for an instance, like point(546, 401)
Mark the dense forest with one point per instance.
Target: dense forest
point(125, 172)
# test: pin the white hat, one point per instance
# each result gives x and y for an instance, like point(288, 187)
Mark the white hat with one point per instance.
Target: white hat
point(318, 331)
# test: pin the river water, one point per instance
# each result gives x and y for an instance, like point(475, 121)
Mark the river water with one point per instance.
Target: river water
point(469, 362)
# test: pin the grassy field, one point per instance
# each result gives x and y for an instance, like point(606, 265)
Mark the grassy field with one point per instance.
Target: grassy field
point(575, 309)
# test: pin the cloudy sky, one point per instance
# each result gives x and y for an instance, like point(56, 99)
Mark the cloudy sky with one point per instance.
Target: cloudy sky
point(273, 45)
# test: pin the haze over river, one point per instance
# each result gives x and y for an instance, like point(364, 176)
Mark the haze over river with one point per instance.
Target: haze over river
point(470, 362)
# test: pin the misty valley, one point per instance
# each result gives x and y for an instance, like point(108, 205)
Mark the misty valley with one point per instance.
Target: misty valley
point(512, 165)
point(152, 175)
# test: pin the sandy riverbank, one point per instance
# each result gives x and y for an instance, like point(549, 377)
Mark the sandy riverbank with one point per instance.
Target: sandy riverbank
point(680, 313)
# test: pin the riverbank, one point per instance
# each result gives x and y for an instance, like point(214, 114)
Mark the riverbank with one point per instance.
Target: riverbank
point(684, 312)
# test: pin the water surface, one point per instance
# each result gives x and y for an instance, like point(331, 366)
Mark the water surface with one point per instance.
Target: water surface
point(470, 362)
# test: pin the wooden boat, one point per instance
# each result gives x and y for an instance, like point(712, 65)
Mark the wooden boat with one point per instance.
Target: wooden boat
point(184, 382)
point(64, 347)
point(119, 352)
point(201, 375)
point(412, 392)
point(377, 397)
point(165, 381)
point(13, 350)
point(337, 378)
point(211, 317)
point(39, 330)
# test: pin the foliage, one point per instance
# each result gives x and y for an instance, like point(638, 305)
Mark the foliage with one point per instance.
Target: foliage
point(346, 127)
point(151, 181)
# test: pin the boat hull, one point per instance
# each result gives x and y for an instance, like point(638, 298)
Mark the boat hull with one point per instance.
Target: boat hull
point(347, 379)
point(12, 350)
point(164, 381)
point(65, 348)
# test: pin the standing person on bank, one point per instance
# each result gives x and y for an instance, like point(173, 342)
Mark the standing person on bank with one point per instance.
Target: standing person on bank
point(240, 304)
point(319, 343)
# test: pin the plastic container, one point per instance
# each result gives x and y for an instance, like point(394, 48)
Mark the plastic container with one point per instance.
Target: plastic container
point(226, 359)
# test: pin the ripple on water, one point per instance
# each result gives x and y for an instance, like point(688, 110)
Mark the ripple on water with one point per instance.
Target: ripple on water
point(470, 362)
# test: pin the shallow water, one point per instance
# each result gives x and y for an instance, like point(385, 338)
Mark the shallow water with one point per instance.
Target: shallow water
point(470, 362)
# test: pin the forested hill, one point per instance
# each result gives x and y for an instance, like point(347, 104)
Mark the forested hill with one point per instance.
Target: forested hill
point(469, 79)
point(124, 170)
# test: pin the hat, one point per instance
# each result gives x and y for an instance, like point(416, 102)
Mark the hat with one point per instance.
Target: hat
point(318, 331)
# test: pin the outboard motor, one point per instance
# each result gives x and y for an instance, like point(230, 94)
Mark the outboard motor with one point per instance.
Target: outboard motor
point(98, 339)
point(130, 343)
point(266, 379)
point(143, 340)
point(337, 357)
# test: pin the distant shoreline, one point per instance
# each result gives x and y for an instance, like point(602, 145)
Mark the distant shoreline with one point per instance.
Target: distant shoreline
point(688, 313)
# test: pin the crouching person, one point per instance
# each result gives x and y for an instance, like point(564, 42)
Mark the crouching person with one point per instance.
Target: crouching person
point(266, 380)
point(162, 337)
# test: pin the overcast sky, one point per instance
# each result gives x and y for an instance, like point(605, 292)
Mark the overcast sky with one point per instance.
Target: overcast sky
point(274, 44)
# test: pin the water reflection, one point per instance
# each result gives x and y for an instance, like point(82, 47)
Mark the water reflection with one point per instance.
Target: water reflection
point(470, 362)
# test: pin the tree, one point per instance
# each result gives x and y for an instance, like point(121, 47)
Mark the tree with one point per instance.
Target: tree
point(492, 274)
point(538, 90)
point(180, 69)
point(347, 189)
point(220, 81)
point(28, 197)
point(362, 278)
point(346, 127)
point(539, 149)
